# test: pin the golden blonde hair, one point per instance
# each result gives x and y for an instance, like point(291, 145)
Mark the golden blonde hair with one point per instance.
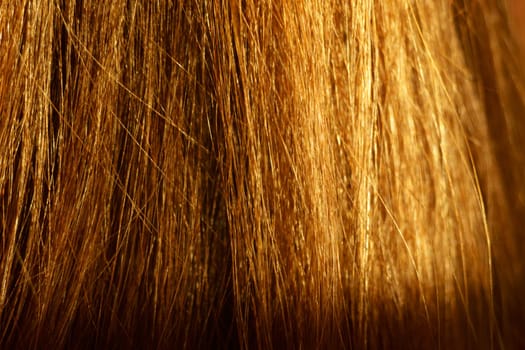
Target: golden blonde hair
point(260, 174)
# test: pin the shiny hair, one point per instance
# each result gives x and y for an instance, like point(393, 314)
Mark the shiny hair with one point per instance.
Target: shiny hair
point(261, 174)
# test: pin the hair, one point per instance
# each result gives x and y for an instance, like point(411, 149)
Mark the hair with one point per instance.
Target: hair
point(261, 174)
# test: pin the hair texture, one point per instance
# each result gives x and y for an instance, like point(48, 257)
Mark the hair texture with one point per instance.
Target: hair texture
point(261, 174)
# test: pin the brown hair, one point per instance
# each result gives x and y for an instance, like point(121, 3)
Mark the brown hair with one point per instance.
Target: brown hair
point(258, 174)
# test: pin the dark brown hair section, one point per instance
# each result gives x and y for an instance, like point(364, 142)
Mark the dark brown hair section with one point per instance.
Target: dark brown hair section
point(260, 174)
